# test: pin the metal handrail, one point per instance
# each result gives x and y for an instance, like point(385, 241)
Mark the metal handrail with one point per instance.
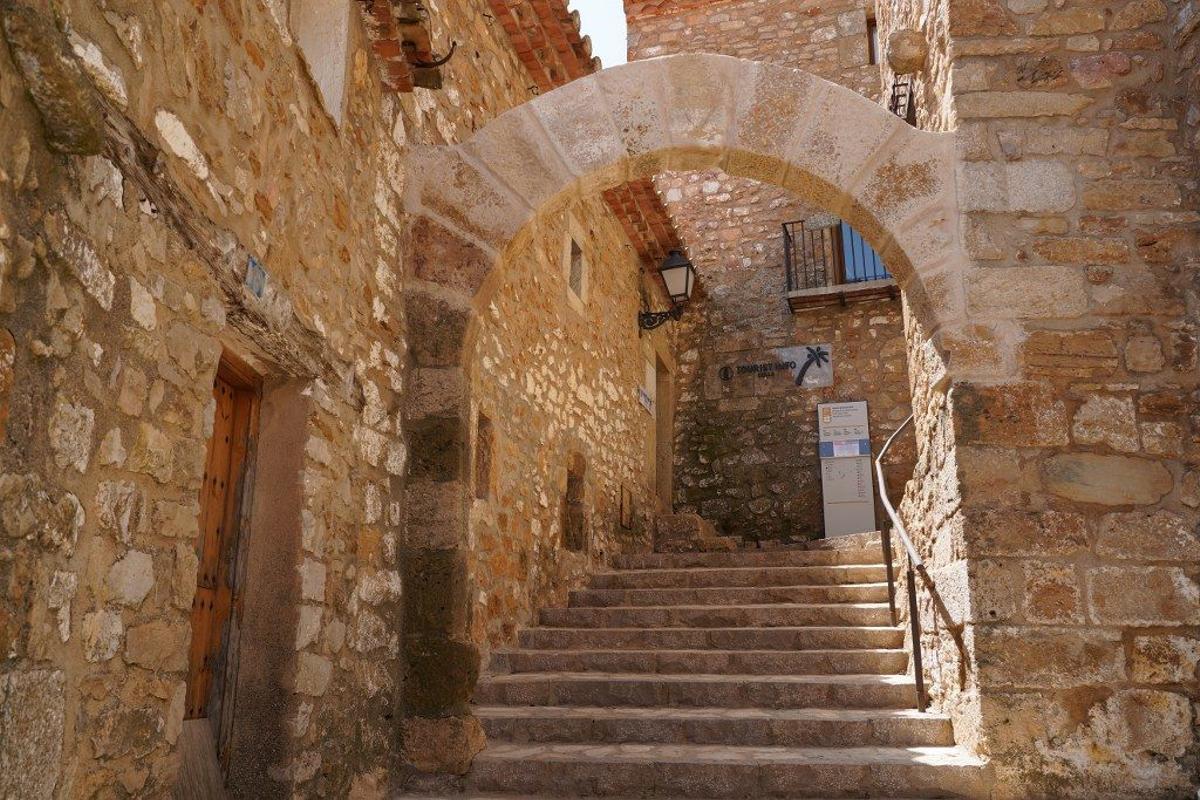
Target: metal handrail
point(887, 503)
point(914, 565)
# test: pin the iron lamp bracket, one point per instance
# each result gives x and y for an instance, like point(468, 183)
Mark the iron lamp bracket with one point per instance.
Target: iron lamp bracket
point(649, 320)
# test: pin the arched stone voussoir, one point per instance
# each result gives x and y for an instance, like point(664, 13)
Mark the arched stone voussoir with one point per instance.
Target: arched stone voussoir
point(584, 132)
point(520, 154)
point(635, 96)
point(782, 126)
point(701, 97)
point(772, 112)
point(927, 240)
point(845, 139)
point(444, 184)
point(911, 180)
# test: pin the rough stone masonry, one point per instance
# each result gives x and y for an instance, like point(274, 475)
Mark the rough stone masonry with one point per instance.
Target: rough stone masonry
point(747, 450)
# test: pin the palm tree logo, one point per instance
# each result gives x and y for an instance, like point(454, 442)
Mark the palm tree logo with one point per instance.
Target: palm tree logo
point(816, 355)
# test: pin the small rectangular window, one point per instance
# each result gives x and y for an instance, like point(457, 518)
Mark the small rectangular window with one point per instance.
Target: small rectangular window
point(872, 41)
point(575, 264)
point(485, 455)
point(575, 512)
point(650, 384)
point(575, 276)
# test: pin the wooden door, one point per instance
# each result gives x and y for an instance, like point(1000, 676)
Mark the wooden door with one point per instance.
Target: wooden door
point(216, 546)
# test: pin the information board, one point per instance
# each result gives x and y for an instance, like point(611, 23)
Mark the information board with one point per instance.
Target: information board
point(847, 490)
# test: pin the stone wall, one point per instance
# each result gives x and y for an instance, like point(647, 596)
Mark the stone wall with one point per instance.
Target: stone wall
point(165, 145)
point(746, 454)
point(746, 445)
point(558, 379)
point(1185, 41)
point(825, 38)
point(932, 85)
point(1061, 526)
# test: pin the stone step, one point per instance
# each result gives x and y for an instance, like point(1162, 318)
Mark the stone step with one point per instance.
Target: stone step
point(725, 691)
point(715, 771)
point(731, 595)
point(854, 541)
point(878, 661)
point(804, 638)
point(457, 795)
point(738, 576)
point(800, 727)
point(792, 557)
point(777, 615)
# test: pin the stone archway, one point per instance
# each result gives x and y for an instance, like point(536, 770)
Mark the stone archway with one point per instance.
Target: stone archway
point(472, 204)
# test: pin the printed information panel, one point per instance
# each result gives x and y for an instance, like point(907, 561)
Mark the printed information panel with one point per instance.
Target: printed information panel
point(847, 490)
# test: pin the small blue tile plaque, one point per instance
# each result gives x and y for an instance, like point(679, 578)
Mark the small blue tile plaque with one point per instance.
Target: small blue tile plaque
point(256, 277)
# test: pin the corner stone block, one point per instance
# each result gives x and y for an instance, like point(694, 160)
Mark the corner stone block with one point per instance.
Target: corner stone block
point(1159, 658)
point(440, 676)
point(515, 149)
point(445, 745)
point(578, 121)
point(437, 448)
point(999, 293)
point(701, 91)
point(1004, 532)
point(998, 105)
point(437, 325)
point(1016, 415)
point(436, 513)
point(1147, 596)
point(67, 102)
point(442, 257)
point(1148, 536)
point(1024, 186)
point(437, 597)
point(1047, 658)
point(445, 184)
point(435, 391)
point(979, 351)
point(981, 18)
point(1106, 479)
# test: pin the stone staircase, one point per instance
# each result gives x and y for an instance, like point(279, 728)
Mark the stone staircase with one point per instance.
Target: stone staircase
point(747, 674)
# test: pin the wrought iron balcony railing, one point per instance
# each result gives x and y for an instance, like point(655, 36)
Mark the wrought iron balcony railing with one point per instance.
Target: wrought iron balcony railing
point(901, 102)
point(829, 261)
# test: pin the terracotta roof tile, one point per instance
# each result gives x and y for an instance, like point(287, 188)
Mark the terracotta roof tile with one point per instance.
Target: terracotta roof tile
point(645, 219)
point(547, 40)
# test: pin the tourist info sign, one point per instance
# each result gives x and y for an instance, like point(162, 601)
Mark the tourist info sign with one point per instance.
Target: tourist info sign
point(847, 491)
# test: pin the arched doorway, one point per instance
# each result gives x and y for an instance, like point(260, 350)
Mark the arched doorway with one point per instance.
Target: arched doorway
point(474, 203)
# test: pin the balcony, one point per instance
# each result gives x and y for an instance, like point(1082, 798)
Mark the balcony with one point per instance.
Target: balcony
point(829, 263)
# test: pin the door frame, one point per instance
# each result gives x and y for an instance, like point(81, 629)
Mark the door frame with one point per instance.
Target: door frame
point(249, 384)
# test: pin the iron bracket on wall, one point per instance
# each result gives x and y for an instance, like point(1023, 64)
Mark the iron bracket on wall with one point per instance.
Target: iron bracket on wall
point(649, 320)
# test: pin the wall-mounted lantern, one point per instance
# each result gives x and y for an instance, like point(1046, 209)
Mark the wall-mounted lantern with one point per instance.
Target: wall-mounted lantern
point(679, 277)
